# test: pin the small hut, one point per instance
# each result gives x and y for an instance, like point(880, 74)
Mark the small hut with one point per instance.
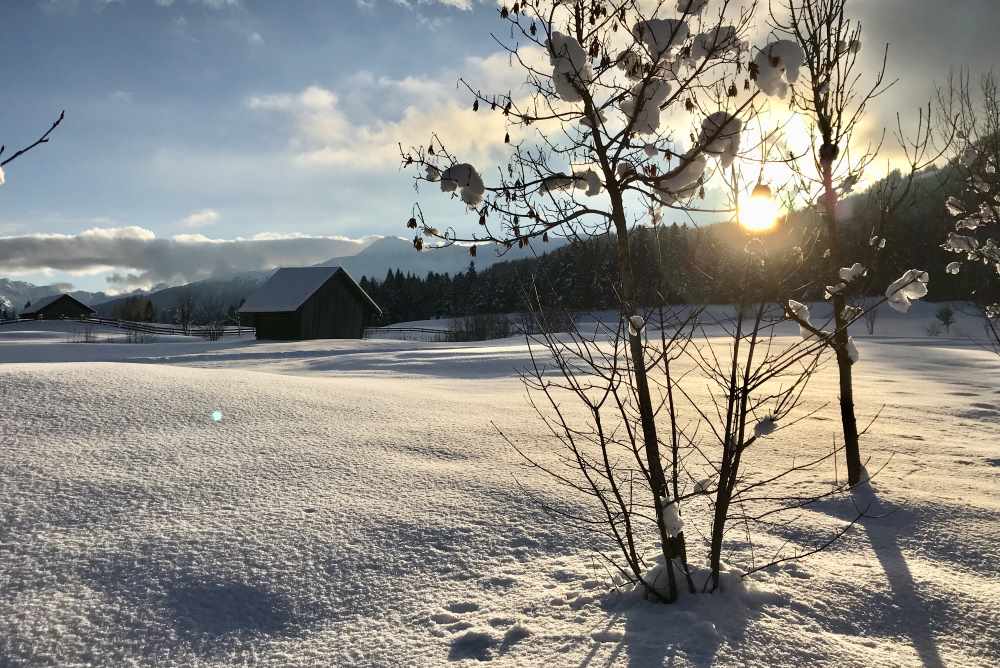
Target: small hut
point(310, 303)
point(55, 307)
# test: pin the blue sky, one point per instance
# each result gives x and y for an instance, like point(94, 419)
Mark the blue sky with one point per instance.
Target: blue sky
point(236, 118)
point(183, 117)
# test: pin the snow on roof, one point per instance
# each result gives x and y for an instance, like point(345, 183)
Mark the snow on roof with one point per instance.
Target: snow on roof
point(290, 287)
point(40, 303)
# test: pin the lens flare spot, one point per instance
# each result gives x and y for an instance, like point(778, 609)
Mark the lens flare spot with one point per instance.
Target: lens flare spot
point(759, 213)
point(216, 416)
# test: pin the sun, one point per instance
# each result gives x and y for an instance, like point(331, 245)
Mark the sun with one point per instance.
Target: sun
point(759, 211)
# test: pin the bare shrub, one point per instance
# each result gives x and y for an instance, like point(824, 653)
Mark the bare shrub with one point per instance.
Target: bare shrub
point(871, 316)
point(530, 323)
point(133, 335)
point(946, 316)
point(84, 334)
point(482, 327)
point(213, 331)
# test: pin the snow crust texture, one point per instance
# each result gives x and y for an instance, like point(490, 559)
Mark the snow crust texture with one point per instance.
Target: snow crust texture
point(352, 506)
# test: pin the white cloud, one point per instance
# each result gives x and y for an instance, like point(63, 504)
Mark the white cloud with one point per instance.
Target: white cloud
point(200, 218)
point(216, 4)
point(141, 259)
point(64, 7)
point(326, 134)
point(121, 97)
point(464, 5)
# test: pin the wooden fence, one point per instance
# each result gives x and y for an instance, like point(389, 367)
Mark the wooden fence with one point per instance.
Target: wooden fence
point(212, 332)
point(410, 334)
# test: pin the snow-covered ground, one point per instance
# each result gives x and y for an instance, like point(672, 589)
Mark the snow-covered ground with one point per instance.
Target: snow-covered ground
point(968, 326)
point(347, 503)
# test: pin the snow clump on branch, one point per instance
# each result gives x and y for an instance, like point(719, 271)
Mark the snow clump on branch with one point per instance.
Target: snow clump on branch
point(852, 273)
point(801, 312)
point(571, 72)
point(716, 42)
point(642, 108)
point(464, 178)
point(958, 243)
point(852, 350)
point(691, 6)
point(777, 65)
point(683, 180)
point(588, 180)
point(661, 36)
point(908, 287)
point(672, 522)
point(720, 135)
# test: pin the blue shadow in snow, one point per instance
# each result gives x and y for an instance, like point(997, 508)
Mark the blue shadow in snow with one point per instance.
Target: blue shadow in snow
point(209, 612)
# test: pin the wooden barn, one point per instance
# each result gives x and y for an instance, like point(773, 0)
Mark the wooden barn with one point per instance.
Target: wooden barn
point(55, 307)
point(310, 303)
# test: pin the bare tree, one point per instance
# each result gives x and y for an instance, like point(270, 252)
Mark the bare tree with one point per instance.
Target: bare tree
point(834, 99)
point(185, 310)
point(971, 114)
point(590, 157)
point(614, 67)
point(44, 139)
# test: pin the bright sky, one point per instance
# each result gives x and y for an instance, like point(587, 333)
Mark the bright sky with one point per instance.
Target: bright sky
point(230, 119)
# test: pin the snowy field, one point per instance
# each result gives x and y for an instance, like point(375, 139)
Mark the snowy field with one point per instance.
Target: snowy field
point(347, 503)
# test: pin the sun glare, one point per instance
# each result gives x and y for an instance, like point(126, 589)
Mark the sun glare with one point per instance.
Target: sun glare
point(759, 212)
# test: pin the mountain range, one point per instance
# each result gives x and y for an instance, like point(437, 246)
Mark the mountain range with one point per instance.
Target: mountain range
point(374, 261)
point(14, 295)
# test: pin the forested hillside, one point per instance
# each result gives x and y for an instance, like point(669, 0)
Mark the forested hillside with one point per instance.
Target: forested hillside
point(684, 263)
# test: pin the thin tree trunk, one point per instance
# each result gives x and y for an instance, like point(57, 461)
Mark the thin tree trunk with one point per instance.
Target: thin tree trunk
point(658, 480)
point(852, 449)
point(718, 530)
point(847, 417)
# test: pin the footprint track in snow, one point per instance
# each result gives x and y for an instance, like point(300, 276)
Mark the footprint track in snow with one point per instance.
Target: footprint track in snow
point(472, 637)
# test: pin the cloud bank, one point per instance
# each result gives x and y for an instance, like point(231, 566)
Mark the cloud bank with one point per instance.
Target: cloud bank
point(137, 258)
point(200, 218)
point(336, 128)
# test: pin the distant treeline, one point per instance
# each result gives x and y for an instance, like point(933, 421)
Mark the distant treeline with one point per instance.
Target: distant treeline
point(676, 264)
point(687, 264)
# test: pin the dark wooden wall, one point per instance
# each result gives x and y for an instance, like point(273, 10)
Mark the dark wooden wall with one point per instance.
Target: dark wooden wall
point(276, 326)
point(63, 308)
point(335, 311)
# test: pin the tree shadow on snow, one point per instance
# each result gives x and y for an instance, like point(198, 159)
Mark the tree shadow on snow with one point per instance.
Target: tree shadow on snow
point(438, 360)
point(161, 600)
point(688, 632)
point(210, 612)
point(912, 608)
point(905, 593)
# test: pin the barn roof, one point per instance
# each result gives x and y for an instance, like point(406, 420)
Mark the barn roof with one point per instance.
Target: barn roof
point(290, 287)
point(42, 302)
